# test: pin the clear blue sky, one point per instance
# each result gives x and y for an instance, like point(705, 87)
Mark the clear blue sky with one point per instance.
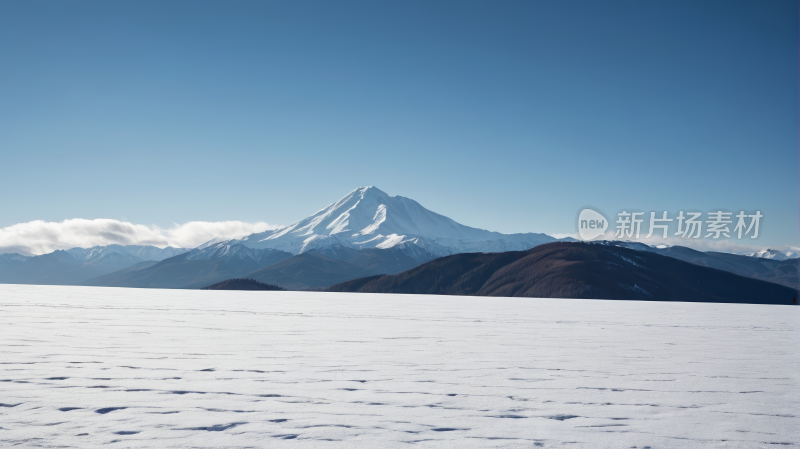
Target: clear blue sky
point(505, 115)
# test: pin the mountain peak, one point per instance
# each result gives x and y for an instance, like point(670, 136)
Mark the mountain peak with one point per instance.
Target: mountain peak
point(772, 254)
point(368, 191)
point(368, 217)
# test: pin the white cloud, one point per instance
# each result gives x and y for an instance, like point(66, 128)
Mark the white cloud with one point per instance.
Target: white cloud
point(40, 237)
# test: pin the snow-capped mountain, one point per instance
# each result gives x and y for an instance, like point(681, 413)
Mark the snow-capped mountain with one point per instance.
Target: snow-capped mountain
point(369, 218)
point(775, 254)
point(232, 252)
point(141, 252)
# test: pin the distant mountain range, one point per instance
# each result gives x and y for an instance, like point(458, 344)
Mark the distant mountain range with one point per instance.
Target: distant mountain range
point(311, 270)
point(576, 270)
point(194, 269)
point(142, 252)
point(71, 267)
point(366, 233)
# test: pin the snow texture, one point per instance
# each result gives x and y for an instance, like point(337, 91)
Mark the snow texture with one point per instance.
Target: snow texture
point(88, 366)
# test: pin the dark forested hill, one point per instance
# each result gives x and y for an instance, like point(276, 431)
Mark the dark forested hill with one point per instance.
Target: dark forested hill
point(575, 270)
point(243, 284)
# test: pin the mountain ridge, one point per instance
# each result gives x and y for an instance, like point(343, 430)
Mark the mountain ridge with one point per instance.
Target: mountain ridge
point(194, 269)
point(575, 270)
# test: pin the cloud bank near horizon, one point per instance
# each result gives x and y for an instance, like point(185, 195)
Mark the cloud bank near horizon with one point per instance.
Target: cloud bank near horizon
point(41, 237)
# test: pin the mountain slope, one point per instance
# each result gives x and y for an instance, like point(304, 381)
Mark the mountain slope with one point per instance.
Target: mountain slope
point(49, 269)
point(77, 265)
point(781, 271)
point(575, 270)
point(387, 261)
point(9, 261)
point(369, 218)
point(149, 252)
point(784, 272)
point(108, 278)
point(308, 271)
point(141, 252)
point(327, 266)
point(195, 269)
point(222, 261)
point(62, 268)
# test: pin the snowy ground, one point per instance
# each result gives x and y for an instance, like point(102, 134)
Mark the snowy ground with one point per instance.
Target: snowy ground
point(84, 367)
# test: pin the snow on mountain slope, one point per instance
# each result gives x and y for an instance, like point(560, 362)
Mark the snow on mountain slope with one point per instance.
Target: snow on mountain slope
point(141, 252)
point(229, 251)
point(96, 253)
point(148, 252)
point(211, 242)
point(369, 218)
point(220, 250)
point(774, 254)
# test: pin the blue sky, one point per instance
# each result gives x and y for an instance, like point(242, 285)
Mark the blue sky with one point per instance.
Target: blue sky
point(508, 116)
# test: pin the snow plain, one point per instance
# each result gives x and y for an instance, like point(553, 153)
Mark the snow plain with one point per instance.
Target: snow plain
point(89, 366)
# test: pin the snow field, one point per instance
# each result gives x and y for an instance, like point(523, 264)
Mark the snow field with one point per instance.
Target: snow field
point(89, 366)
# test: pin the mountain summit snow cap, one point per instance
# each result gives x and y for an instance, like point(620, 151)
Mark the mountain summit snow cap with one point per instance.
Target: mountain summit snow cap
point(591, 224)
point(367, 217)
